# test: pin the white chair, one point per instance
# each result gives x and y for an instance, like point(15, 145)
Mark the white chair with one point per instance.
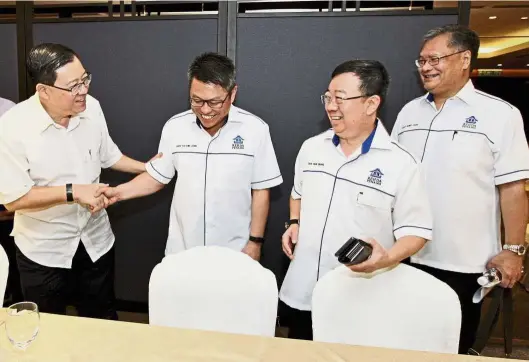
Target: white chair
point(213, 288)
point(400, 308)
point(4, 273)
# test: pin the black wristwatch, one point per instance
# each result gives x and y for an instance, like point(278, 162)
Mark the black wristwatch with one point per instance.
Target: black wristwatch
point(291, 222)
point(257, 239)
point(69, 193)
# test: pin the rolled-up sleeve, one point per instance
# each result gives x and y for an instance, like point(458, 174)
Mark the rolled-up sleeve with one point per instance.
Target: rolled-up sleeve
point(109, 151)
point(412, 215)
point(266, 173)
point(15, 181)
point(162, 169)
point(511, 161)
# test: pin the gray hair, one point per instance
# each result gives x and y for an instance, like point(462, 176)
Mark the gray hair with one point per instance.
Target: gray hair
point(461, 38)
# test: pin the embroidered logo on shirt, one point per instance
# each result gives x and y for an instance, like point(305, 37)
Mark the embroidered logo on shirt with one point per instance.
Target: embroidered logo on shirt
point(238, 143)
point(470, 122)
point(375, 177)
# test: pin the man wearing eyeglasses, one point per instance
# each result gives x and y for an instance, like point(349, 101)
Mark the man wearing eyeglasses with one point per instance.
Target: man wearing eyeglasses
point(475, 155)
point(224, 161)
point(52, 148)
point(350, 181)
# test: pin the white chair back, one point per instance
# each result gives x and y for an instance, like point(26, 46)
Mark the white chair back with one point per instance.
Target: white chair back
point(401, 308)
point(213, 288)
point(4, 273)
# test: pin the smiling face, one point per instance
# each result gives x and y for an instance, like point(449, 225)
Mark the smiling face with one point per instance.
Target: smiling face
point(350, 118)
point(451, 71)
point(62, 101)
point(211, 103)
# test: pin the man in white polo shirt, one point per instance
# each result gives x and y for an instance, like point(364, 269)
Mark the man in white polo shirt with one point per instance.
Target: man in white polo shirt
point(350, 181)
point(224, 161)
point(52, 148)
point(476, 160)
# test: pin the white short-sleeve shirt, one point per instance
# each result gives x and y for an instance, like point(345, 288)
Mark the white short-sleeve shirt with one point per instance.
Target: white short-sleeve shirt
point(474, 143)
point(377, 192)
point(215, 177)
point(36, 151)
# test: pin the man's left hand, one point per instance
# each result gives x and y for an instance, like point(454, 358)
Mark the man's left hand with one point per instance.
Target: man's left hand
point(379, 259)
point(253, 250)
point(510, 266)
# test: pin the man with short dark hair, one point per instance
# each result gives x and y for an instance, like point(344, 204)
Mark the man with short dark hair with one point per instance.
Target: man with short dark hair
point(476, 160)
point(350, 181)
point(224, 161)
point(52, 148)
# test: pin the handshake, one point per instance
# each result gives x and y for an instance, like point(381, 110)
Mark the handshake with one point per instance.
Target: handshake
point(95, 197)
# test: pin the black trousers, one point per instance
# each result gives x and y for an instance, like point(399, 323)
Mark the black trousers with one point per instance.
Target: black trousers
point(87, 285)
point(299, 322)
point(13, 290)
point(465, 285)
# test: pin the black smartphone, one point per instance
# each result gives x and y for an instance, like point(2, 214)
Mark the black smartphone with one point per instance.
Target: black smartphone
point(354, 251)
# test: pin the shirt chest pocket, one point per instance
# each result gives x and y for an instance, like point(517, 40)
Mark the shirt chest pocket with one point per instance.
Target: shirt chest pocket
point(91, 163)
point(372, 212)
point(469, 150)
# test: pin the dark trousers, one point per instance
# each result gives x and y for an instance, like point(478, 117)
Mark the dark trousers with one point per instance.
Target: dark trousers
point(87, 285)
point(13, 290)
point(299, 322)
point(465, 285)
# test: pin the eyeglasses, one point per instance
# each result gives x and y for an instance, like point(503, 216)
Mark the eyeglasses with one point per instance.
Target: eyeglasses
point(76, 89)
point(327, 99)
point(212, 103)
point(434, 60)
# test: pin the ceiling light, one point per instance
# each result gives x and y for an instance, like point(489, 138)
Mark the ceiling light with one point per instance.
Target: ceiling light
point(499, 65)
point(527, 65)
point(524, 18)
point(493, 17)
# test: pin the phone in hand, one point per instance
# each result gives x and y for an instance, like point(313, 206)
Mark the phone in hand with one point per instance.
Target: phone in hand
point(354, 251)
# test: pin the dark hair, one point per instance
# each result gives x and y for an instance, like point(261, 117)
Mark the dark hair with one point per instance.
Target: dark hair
point(213, 68)
point(374, 77)
point(461, 38)
point(45, 59)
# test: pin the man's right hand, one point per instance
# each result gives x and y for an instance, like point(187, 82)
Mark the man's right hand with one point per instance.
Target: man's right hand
point(289, 240)
point(85, 195)
point(111, 193)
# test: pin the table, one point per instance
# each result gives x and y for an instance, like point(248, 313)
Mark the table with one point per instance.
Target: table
point(75, 339)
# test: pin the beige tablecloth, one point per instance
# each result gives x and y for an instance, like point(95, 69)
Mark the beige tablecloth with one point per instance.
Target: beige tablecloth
point(75, 339)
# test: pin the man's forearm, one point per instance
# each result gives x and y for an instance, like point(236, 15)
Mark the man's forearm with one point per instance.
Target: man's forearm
point(39, 197)
point(295, 208)
point(127, 164)
point(141, 185)
point(513, 201)
point(260, 207)
point(405, 247)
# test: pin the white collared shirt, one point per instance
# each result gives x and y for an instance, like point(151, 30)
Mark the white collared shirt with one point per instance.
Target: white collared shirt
point(377, 192)
point(36, 151)
point(212, 197)
point(474, 143)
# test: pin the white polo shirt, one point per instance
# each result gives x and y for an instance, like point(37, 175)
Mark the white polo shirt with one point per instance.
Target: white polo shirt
point(212, 197)
point(474, 143)
point(377, 192)
point(36, 151)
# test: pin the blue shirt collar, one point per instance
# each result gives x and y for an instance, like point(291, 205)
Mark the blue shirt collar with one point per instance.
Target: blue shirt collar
point(366, 145)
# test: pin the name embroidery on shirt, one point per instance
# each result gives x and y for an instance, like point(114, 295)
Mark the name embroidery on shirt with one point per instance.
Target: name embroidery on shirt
point(186, 146)
point(238, 143)
point(375, 177)
point(410, 125)
point(470, 122)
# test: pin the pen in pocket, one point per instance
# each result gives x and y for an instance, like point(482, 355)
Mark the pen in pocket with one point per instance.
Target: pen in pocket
point(455, 132)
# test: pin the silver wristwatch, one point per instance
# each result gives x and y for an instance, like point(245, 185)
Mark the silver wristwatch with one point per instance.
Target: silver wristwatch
point(518, 249)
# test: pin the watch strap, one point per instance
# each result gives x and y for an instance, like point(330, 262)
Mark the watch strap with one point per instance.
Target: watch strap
point(69, 193)
point(257, 239)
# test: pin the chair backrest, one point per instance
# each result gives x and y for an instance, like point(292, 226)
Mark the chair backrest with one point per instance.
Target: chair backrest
point(4, 273)
point(401, 307)
point(213, 288)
